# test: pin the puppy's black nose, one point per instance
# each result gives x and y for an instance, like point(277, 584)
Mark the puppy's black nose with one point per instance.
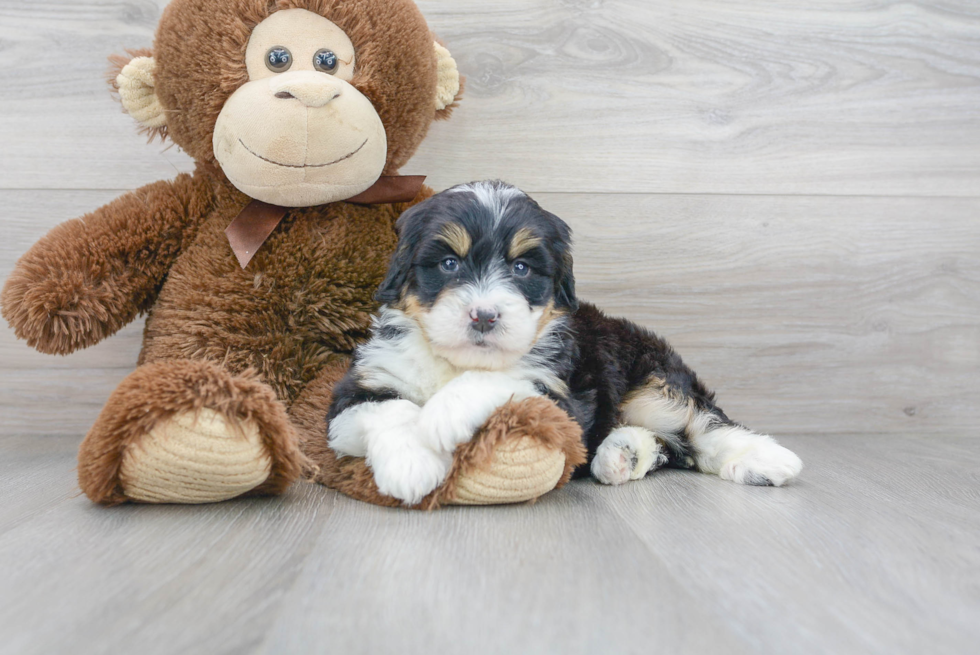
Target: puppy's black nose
point(483, 320)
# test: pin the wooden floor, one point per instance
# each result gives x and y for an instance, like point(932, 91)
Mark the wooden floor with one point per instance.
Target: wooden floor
point(790, 192)
point(874, 550)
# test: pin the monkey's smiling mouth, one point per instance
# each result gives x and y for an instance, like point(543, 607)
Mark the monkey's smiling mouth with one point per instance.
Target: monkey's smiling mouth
point(329, 163)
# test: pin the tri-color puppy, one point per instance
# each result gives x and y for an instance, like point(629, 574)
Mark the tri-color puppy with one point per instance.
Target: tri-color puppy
point(480, 309)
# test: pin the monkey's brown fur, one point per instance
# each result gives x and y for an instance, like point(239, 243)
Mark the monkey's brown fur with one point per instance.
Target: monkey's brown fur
point(167, 387)
point(266, 343)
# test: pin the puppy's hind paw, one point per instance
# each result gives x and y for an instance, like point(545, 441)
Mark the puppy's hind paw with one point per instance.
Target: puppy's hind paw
point(612, 464)
point(766, 464)
point(628, 453)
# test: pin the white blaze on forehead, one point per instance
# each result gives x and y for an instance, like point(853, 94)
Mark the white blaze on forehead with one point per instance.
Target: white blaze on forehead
point(495, 196)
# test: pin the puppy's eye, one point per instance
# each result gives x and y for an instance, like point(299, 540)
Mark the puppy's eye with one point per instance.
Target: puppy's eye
point(521, 269)
point(325, 61)
point(449, 264)
point(278, 59)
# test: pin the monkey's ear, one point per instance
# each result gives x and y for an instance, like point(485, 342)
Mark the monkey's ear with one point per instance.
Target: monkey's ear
point(135, 85)
point(449, 87)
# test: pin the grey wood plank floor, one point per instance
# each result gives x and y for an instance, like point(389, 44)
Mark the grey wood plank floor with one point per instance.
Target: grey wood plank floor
point(873, 550)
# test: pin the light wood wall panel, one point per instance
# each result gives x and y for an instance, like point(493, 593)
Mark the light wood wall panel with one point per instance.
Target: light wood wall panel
point(727, 96)
point(788, 191)
point(808, 314)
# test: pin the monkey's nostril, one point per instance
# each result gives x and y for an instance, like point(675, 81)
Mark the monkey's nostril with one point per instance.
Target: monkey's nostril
point(285, 95)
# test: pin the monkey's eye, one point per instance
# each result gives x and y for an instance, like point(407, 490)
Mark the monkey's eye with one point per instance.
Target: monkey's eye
point(278, 59)
point(521, 269)
point(449, 264)
point(325, 61)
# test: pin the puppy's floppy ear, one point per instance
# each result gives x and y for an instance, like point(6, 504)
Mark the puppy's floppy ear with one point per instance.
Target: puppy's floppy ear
point(408, 226)
point(565, 297)
point(565, 284)
point(398, 270)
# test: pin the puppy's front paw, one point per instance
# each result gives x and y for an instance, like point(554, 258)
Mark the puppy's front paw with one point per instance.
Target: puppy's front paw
point(444, 431)
point(454, 414)
point(410, 474)
point(765, 464)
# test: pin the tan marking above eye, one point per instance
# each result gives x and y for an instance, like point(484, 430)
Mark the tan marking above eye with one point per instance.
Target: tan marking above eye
point(456, 237)
point(523, 241)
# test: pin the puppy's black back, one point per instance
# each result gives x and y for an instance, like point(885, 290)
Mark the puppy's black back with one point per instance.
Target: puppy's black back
point(614, 357)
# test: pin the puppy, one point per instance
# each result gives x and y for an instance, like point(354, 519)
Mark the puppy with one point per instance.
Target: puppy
point(480, 309)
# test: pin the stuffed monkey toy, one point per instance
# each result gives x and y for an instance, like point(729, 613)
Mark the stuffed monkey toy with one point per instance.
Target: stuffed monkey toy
point(257, 272)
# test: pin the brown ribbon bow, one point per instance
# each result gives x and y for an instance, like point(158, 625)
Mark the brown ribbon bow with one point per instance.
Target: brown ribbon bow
point(255, 223)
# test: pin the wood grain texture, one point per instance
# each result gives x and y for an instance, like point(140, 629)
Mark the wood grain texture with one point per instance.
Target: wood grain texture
point(788, 191)
point(839, 97)
point(806, 314)
point(873, 550)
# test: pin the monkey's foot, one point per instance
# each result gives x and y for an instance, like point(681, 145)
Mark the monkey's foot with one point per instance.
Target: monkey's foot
point(518, 470)
point(188, 432)
point(195, 457)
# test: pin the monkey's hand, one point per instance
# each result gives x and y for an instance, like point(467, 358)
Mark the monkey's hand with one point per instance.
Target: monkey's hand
point(88, 277)
point(453, 415)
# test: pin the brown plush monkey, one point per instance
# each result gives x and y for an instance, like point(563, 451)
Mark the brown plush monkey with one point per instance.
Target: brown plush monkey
point(258, 271)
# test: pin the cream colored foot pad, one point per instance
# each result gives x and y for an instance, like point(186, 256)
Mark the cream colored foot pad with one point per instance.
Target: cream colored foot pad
point(521, 470)
point(195, 458)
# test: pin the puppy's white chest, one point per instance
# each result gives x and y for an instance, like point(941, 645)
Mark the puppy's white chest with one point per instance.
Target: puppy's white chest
point(406, 366)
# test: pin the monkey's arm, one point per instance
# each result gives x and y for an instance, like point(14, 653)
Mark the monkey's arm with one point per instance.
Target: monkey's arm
point(88, 277)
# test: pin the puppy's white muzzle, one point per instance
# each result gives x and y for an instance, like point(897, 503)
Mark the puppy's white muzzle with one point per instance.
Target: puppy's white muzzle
point(488, 325)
